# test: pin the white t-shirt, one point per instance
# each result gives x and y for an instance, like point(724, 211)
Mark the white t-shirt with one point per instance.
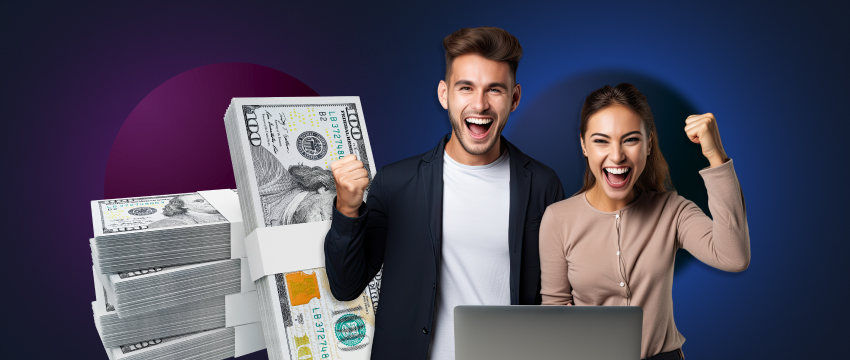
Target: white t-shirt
point(476, 260)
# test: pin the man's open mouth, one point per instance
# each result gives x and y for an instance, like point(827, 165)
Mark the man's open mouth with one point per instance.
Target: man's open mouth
point(478, 127)
point(617, 176)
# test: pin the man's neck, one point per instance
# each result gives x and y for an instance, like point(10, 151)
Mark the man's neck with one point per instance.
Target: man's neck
point(459, 154)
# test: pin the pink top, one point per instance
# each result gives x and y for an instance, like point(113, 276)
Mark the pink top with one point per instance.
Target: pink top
point(626, 257)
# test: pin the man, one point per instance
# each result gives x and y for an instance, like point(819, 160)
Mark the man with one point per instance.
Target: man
point(456, 225)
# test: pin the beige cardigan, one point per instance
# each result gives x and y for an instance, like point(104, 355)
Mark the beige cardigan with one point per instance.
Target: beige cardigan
point(626, 257)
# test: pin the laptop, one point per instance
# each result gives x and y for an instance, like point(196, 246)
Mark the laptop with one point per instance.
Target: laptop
point(547, 332)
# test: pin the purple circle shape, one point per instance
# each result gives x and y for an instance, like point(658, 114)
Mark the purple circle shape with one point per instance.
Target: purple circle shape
point(174, 140)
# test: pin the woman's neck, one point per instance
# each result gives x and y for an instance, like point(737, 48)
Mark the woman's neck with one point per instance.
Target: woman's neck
point(597, 198)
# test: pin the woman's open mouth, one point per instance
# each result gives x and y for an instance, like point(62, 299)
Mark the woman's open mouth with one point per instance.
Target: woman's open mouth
point(617, 176)
point(478, 127)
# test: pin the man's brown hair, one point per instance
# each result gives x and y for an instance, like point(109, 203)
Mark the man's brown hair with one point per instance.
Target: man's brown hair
point(489, 42)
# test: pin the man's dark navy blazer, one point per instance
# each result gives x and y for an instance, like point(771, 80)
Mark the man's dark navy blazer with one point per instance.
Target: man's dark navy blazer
point(400, 227)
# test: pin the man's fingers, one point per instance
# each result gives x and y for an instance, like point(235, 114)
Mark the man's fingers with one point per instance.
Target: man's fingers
point(353, 181)
point(362, 183)
point(345, 160)
point(349, 167)
point(360, 174)
point(354, 186)
point(356, 175)
point(346, 164)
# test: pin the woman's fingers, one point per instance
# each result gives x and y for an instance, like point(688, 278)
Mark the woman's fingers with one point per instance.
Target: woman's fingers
point(693, 118)
point(702, 129)
point(697, 128)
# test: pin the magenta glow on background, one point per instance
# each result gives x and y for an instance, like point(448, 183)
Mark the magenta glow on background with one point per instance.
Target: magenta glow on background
point(174, 140)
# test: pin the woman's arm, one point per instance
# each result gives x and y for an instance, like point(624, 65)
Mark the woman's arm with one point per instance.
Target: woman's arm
point(723, 243)
point(555, 286)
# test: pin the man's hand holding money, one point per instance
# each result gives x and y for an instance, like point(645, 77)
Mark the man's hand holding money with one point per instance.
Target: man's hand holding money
point(351, 180)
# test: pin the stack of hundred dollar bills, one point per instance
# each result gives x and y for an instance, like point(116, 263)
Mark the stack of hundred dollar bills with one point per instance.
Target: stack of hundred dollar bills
point(175, 306)
point(136, 292)
point(282, 149)
point(154, 231)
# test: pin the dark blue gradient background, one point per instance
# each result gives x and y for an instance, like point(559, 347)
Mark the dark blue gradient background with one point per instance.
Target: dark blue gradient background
point(774, 74)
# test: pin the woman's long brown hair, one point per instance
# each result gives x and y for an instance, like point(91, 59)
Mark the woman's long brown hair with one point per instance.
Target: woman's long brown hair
point(656, 174)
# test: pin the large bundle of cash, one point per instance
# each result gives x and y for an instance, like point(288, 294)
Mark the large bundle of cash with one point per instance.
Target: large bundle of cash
point(207, 329)
point(155, 231)
point(214, 344)
point(166, 285)
point(206, 314)
point(281, 149)
point(141, 291)
point(301, 317)
point(201, 315)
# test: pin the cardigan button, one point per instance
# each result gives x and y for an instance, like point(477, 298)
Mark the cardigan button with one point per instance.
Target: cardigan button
point(425, 331)
point(622, 284)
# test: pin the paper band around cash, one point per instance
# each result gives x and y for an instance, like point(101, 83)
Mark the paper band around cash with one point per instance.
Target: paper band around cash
point(283, 249)
point(241, 308)
point(227, 203)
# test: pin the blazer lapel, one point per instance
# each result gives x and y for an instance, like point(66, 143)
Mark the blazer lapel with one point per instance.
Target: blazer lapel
point(520, 190)
point(431, 174)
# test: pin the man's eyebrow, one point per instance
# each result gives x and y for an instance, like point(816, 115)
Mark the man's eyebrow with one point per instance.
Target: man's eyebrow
point(492, 85)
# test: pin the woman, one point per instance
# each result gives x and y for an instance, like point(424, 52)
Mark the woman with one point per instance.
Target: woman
point(615, 241)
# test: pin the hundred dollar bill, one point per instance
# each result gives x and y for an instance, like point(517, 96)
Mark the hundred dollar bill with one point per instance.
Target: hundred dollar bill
point(206, 314)
point(282, 150)
point(308, 322)
point(129, 348)
point(285, 149)
point(132, 234)
point(212, 344)
point(152, 212)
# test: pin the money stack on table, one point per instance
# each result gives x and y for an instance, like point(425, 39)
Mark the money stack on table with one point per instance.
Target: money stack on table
point(171, 280)
point(281, 150)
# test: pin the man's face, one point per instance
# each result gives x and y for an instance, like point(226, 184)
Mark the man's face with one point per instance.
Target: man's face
point(479, 96)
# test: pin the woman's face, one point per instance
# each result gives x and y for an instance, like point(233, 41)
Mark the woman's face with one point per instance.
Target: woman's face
point(196, 203)
point(616, 145)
